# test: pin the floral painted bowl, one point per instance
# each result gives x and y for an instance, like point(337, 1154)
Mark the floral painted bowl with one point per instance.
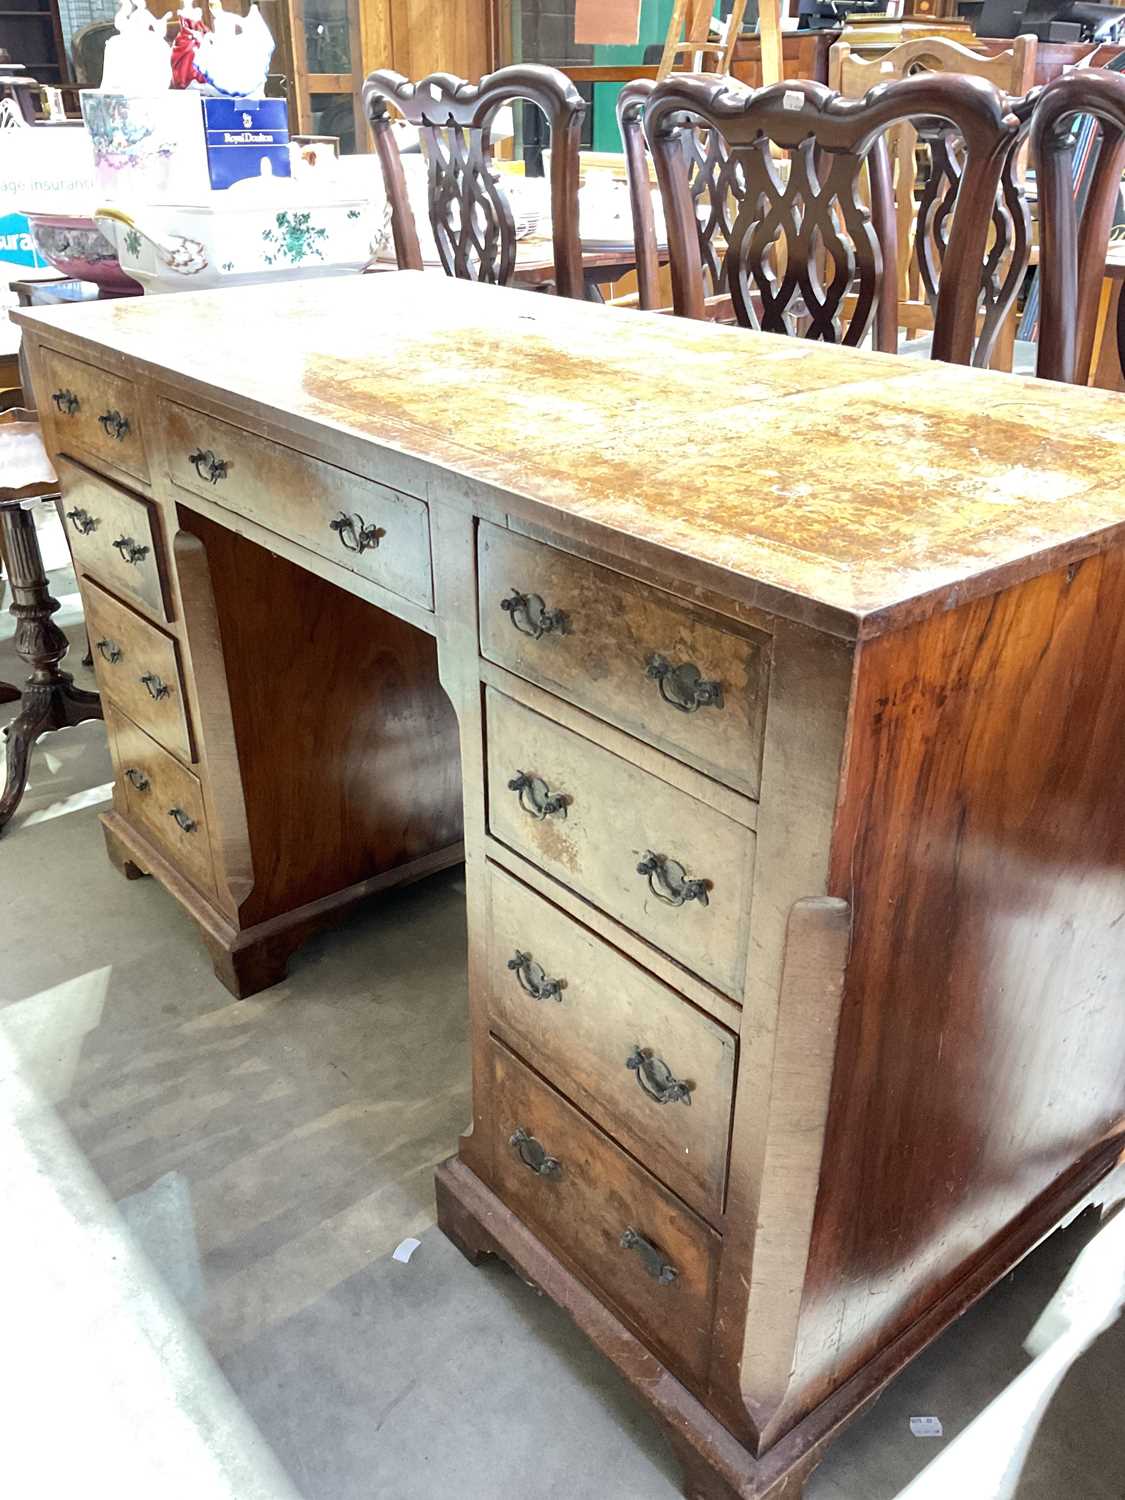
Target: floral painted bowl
point(74, 245)
point(236, 238)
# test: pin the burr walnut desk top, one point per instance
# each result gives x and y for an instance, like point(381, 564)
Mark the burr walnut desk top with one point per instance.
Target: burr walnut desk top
point(849, 488)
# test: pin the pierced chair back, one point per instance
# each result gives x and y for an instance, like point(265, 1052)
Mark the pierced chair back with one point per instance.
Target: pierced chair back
point(921, 226)
point(799, 242)
point(706, 156)
point(472, 219)
point(1072, 256)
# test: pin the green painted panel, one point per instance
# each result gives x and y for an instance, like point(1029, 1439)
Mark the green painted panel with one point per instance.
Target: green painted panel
point(655, 16)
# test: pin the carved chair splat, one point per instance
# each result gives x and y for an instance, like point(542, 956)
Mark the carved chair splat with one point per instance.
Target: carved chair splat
point(922, 221)
point(706, 164)
point(833, 242)
point(472, 220)
point(1072, 256)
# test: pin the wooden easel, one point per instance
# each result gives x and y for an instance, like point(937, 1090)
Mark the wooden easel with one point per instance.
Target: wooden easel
point(689, 28)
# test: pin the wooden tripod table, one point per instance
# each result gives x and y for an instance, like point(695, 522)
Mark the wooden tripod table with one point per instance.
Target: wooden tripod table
point(790, 746)
point(50, 699)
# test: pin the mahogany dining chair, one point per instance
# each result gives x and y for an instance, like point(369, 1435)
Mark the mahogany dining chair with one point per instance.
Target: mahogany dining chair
point(922, 201)
point(1072, 254)
point(801, 245)
point(471, 216)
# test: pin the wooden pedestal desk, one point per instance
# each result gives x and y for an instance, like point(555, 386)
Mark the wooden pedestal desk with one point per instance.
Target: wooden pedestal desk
point(789, 690)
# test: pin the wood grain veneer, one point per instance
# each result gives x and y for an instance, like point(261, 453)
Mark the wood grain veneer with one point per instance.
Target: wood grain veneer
point(358, 523)
point(586, 1037)
point(615, 815)
point(612, 638)
point(161, 797)
point(98, 514)
point(588, 1203)
point(138, 668)
point(99, 412)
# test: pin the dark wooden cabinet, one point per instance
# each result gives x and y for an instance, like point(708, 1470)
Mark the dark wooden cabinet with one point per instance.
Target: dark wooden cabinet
point(31, 34)
point(804, 54)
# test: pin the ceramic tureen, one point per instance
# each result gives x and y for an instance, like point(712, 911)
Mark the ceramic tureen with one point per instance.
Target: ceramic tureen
point(259, 230)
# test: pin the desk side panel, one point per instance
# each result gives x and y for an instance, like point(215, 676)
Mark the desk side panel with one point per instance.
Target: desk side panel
point(980, 1066)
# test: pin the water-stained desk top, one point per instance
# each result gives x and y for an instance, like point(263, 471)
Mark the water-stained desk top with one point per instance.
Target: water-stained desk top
point(853, 489)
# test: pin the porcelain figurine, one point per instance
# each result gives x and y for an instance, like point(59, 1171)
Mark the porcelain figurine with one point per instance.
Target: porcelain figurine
point(234, 57)
point(192, 30)
point(137, 59)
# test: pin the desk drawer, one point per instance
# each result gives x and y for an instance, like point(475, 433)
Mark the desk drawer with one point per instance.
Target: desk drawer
point(685, 680)
point(621, 1230)
point(95, 411)
point(162, 799)
point(138, 668)
point(613, 819)
point(114, 537)
point(600, 1029)
point(364, 526)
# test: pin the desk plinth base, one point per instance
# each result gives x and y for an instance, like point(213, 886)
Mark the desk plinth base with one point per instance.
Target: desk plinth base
point(250, 959)
point(715, 1465)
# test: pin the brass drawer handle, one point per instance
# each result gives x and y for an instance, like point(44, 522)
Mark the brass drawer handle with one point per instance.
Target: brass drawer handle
point(82, 521)
point(532, 979)
point(684, 687)
point(207, 466)
point(189, 825)
point(131, 551)
point(533, 1155)
point(65, 401)
point(656, 1079)
point(114, 425)
point(530, 615)
point(536, 797)
point(354, 532)
point(157, 687)
point(138, 779)
point(668, 880)
point(109, 650)
point(651, 1258)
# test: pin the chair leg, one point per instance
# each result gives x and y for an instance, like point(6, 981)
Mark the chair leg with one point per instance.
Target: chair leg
point(50, 699)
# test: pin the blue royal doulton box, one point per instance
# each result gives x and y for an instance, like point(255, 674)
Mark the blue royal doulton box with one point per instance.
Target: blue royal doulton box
point(242, 134)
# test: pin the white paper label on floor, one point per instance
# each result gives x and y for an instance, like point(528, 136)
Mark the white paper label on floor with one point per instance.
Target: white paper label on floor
point(926, 1426)
point(406, 1249)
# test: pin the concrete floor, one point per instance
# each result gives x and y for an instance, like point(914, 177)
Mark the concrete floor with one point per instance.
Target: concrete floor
point(241, 1172)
